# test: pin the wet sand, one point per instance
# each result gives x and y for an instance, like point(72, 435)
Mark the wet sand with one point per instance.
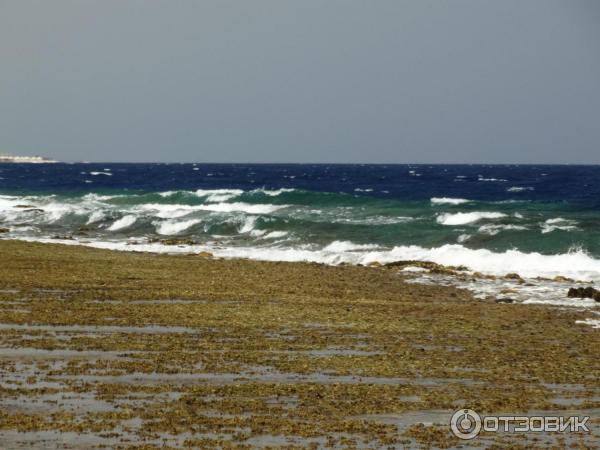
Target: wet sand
point(114, 349)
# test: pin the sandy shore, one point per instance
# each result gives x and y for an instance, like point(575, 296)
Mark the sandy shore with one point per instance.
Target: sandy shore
point(123, 349)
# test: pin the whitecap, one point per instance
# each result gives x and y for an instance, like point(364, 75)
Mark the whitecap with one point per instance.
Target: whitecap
point(273, 193)
point(169, 227)
point(248, 224)
point(96, 216)
point(558, 223)
point(448, 201)
point(493, 229)
point(519, 189)
point(482, 178)
point(468, 217)
point(242, 207)
point(123, 222)
point(347, 246)
point(218, 195)
point(275, 235)
point(168, 193)
point(372, 220)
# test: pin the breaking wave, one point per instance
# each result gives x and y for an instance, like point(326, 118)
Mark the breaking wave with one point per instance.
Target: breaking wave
point(448, 201)
point(468, 217)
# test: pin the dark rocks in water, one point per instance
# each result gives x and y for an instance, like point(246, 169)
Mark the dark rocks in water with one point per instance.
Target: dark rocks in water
point(173, 241)
point(66, 237)
point(29, 208)
point(505, 300)
point(4, 230)
point(560, 278)
point(82, 231)
point(584, 292)
point(431, 266)
point(513, 276)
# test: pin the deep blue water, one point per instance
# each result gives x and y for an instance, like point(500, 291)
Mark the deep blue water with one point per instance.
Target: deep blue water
point(578, 185)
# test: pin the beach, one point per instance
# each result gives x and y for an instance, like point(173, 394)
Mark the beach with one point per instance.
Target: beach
point(138, 349)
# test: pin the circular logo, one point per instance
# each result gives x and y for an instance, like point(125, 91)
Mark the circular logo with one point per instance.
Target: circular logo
point(465, 424)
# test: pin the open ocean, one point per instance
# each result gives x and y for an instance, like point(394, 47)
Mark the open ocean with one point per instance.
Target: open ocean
point(538, 221)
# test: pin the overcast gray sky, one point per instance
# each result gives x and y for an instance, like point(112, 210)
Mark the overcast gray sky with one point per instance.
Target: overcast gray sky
point(301, 81)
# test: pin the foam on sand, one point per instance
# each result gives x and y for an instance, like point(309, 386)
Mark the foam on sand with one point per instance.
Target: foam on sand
point(576, 265)
point(594, 323)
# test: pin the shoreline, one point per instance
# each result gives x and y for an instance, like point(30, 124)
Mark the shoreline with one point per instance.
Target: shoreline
point(103, 347)
point(506, 286)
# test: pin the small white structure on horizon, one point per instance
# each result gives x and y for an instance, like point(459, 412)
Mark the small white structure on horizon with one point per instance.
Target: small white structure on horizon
point(24, 159)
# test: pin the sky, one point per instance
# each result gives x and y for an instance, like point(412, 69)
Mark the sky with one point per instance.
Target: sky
point(347, 81)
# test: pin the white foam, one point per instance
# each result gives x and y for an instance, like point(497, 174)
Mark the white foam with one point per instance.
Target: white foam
point(166, 211)
point(274, 193)
point(482, 178)
point(519, 189)
point(168, 193)
point(54, 211)
point(493, 229)
point(448, 201)
point(570, 302)
point(347, 246)
point(8, 202)
point(241, 207)
point(558, 223)
point(96, 216)
point(101, 173)
point(577, 265)
point(218, 195)
point(371, 220)
point(275, 235)
point(594, 323)
point(469, 217)
point(169, 227)
point(123, 222)
point(414, 269)
point(248, 224)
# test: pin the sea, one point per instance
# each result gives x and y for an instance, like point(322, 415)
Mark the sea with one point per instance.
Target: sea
point(539, 221)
